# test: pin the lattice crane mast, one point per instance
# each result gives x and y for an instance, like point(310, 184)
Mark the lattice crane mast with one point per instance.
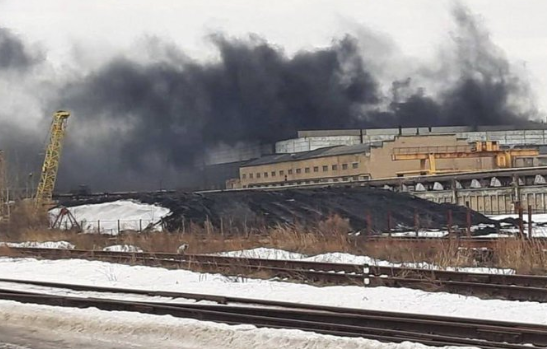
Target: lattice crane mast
point(44, 194)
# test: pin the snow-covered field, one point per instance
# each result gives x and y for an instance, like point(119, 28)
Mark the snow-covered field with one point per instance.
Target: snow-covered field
point(339, 257)
point(380, 298)
point(167, 331)
point(148, 331)
point(131, 215)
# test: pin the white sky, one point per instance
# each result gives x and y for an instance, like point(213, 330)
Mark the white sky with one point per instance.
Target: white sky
point(418, 27)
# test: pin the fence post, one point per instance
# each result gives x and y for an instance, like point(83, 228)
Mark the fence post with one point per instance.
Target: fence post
point(449, 222)
point(530, 231)
point(521, 221)
point(99, 226)
point(369, 223)
point(119, 228)
point(140, 225)
point(468, 218)
point(389, 222)
point(416, 222)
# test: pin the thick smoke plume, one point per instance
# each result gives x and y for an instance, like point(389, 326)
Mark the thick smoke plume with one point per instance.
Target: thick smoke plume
point(138, 123)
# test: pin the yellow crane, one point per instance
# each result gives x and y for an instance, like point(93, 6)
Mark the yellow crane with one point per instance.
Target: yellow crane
point(484, 149)
point(44, 194)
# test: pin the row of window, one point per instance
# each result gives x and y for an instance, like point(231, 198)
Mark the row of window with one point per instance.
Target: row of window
point(325, 168)
point(317, 181)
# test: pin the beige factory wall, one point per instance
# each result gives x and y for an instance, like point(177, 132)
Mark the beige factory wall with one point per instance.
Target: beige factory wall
point(377, 164)
point(309, 169)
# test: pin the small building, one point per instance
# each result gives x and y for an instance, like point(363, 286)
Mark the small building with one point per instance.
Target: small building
point(352, 163)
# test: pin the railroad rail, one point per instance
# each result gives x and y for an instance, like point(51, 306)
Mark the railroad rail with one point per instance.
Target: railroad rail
point(512, 287)
point(347, 322)
point(459, 241)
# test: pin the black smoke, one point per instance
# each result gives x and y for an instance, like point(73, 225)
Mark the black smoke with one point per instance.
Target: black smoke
point(137, 124)
point(14, 54)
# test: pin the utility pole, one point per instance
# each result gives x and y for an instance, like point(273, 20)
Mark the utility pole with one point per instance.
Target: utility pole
point(4, 191)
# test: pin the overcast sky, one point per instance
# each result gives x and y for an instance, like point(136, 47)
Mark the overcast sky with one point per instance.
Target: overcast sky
point(94, 30)
point(77, 37)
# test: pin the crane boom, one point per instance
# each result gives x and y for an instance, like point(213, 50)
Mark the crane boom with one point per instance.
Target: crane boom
point(487, 149)
point(50, 167)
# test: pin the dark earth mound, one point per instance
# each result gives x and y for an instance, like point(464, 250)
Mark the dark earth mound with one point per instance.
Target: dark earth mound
point(248, 209)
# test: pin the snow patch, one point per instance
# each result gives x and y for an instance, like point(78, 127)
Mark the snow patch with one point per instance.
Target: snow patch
point(123, 248)
point(113, 217)
point(167, 331)
point(339, 257)
point(64, 245)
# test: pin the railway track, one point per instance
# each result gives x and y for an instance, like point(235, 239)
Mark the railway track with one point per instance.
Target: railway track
point(347, 322)
point(431, 243)
point(512, 287)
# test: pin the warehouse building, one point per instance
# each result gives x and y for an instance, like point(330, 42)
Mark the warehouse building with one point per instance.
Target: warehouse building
point(222, 163)
point(354, 163)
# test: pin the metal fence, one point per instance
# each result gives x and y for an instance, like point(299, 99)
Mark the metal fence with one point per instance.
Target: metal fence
point(115, 227)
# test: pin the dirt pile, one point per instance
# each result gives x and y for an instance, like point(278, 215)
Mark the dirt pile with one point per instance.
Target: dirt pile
point(248, 209)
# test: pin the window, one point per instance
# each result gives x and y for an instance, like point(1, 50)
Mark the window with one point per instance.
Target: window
point(273, 173)
point(250, 175)
point(298, 170)
point(355, 165)
point(244, 176)
point(307, 170)
point(325, 168)
point(290, 171)
point(281, 173)
point(265, 174)
point(334, 167)
point(344, 179)
point(316, 169)
point(344, 166)
point(258, 175)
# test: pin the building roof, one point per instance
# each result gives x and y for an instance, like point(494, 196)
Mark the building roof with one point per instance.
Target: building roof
point(312, 154)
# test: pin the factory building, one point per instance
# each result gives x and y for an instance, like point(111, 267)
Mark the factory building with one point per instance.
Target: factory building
point(222, 163)
point(506, 135)
point(356, 162)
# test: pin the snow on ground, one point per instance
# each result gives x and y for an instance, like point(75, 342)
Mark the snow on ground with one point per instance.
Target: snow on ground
point(376, 298)
point(152, 331)
point(538, 224)
point(64, 245)
point(538, 218)
point(122, 248)
point(426, 234)
point(339, 257)
point(132, 215)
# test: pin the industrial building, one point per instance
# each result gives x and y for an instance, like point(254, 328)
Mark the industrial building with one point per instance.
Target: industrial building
point(417, 154)
point(220, 167)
